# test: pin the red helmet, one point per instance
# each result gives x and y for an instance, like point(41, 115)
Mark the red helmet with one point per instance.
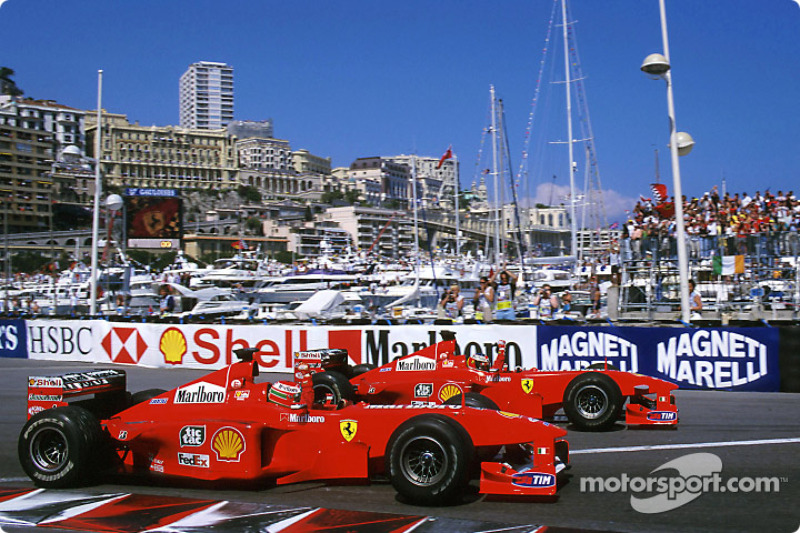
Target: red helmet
point(285, 393)
point(478, 361)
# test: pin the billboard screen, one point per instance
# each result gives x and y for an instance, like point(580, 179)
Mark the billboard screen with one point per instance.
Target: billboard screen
point(153, 220)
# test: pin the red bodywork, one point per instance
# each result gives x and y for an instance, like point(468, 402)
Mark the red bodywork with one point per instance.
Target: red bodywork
point(221, 427)
point(435, 374)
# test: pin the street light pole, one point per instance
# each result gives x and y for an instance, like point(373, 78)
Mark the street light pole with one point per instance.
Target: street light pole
point(98, 185)
point(664, 72)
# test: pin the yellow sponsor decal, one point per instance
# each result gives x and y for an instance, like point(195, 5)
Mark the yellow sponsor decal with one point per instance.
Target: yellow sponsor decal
point(173, 346)
point(448, 391)
point(527, 385)
point(228, 442)
point(348, 428)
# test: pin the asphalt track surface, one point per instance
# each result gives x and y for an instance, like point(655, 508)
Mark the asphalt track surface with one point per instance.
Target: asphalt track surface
point(755, 435)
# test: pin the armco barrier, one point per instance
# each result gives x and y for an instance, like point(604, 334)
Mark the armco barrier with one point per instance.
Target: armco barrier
point(733, 358)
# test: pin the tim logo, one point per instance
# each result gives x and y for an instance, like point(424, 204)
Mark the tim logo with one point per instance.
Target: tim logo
point(534, 479)
point(124, 345)
point(662, 416)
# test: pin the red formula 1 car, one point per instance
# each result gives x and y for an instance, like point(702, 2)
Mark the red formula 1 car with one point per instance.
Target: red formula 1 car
point(592, 399)
point(226, 426)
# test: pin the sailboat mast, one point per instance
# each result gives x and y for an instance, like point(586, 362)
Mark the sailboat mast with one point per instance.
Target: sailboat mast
point(416, 223)
point(455, 192)
point(494, 174)
point(572, 165)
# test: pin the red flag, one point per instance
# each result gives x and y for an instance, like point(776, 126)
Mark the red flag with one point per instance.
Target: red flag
point(659, 192)
point(666, 209)
point(447, 155)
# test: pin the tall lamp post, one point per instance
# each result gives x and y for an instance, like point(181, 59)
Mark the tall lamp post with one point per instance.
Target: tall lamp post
point(680, 143)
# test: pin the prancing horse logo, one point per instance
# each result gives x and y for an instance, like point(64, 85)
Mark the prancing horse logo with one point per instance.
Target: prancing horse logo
point(348, 429)
point(527, 385)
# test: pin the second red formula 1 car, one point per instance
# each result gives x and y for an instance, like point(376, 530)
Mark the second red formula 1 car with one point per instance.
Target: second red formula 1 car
point(592, 399)
point(227, 426)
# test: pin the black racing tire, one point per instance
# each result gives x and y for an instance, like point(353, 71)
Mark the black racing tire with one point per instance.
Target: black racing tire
point(332, 388)
point(478, 401)
point(602, 366)
point(429, 459)
point(474, 399)
point(361, 369)
point(60, 447)
point(593, 401)
point(145, 395)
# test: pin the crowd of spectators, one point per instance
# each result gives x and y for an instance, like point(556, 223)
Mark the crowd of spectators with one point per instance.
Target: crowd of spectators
point(764, 224)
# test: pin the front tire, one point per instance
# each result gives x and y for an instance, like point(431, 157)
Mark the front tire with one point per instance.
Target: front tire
point(593, 401)
point(429, 460)
point(60, 447)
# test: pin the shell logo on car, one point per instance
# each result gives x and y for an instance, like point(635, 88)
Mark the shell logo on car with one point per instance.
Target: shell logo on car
point(173, 346)
point(229, 444)
point(448, 391)
point(348, 428)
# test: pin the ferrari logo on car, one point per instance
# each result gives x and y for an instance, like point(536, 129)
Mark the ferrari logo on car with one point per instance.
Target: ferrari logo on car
point(348, 429)
point(527, 385)
point(228, 442)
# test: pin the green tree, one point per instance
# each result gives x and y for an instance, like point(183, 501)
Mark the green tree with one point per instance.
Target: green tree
point(253, 224)
point(329, 197)
point(249, 193)
point(7, 85)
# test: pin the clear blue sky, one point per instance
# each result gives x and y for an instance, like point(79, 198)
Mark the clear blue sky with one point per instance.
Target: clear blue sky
point(350, 79)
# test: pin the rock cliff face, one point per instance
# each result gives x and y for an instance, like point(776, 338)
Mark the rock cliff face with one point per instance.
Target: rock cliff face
point(197, 204)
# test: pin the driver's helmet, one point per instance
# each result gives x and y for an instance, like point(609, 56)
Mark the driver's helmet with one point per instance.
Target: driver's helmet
point(285, 393)
point(478, 361)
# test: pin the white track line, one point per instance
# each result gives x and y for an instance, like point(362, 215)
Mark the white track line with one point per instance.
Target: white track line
point(648, 448)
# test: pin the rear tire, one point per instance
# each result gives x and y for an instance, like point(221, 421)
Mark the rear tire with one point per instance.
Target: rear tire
point(361, 369)
point(429, 460)
point(474, 399)
point(592, 401)
point(332, 388)
point(145, 395)
point(60, 447)
point(602, 366)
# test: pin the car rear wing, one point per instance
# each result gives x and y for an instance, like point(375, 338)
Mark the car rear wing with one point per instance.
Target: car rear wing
point(47, 392)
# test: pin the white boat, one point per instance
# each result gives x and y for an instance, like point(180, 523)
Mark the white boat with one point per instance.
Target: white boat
point(300, 287)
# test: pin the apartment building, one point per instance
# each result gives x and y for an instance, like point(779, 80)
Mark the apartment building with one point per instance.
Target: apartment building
point(206, 96)
point(25, 180)
point(165, 157)
point(65, 123)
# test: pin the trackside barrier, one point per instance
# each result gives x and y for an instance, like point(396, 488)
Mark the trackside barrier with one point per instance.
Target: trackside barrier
point(730, 358)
